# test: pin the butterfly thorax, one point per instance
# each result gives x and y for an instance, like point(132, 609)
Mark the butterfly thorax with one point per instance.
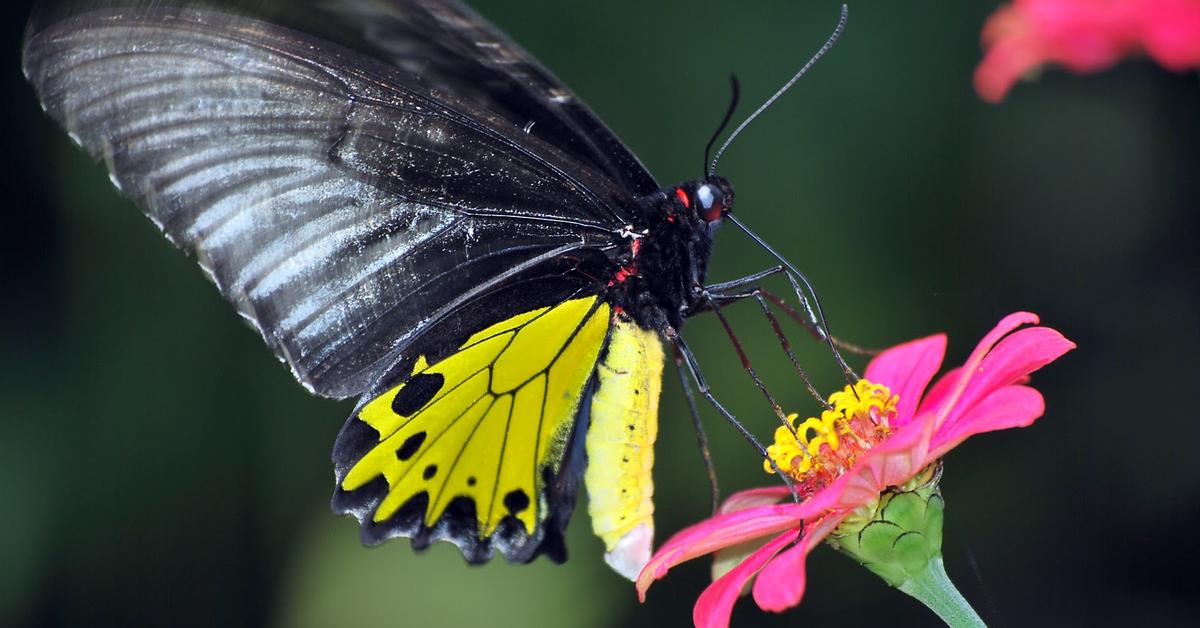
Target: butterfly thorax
point(663, 266)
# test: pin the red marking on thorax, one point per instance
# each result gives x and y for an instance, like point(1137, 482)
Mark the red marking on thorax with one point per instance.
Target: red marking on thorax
point(623, 273)
point(683, 198)
point(630, 269)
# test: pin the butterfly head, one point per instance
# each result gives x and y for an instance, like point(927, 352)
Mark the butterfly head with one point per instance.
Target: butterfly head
point(708, 199)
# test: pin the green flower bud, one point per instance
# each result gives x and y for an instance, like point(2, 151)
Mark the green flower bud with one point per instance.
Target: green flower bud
point(899, 537)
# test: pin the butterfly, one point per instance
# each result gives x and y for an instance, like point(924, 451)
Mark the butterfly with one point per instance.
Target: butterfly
point(424, 219)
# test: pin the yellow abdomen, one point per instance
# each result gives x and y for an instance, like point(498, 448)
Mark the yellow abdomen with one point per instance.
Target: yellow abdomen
point(620, 446)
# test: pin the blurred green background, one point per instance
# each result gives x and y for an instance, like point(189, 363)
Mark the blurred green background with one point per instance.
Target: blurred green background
point(159, 467)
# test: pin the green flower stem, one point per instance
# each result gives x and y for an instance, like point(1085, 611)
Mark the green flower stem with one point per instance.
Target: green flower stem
point(934, 589)
point(899, 538)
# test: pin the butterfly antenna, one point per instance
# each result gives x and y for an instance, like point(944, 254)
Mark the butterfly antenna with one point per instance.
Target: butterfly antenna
point(735, 96)
point(813, 306)
point(701, 435)
point(837, 32)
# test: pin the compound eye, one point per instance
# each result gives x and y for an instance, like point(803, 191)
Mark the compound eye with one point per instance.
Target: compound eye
point(711, 202)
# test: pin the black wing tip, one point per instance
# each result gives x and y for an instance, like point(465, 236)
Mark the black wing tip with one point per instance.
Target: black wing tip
point(457, 525)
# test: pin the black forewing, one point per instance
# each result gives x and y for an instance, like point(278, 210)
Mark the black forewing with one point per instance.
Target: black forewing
point(450, 46)
point(340, 204)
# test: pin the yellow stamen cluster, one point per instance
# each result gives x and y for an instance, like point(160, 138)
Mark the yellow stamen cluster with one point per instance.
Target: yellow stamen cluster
point(820, 450)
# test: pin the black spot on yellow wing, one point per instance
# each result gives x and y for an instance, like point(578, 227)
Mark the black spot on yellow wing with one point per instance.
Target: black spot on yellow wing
point(419, 391)
point(470, 448)
point(516, 501)
point(410, 446)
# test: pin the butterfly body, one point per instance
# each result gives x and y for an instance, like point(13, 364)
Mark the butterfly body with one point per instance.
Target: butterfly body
point(658, 279)
point(429, 222)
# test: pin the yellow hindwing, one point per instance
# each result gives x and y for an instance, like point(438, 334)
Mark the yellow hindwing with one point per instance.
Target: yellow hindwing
point(485, 421)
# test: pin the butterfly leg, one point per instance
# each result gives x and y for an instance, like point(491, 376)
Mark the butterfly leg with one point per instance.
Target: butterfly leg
point(813, 330)
point(814, 322)
point(815, 312)
point(693, 367)
point(791, 312)
point(701, 435)
point(748, 287)
point(725, 287)
point(787, 348)
point(817, 317)
point(745, 359)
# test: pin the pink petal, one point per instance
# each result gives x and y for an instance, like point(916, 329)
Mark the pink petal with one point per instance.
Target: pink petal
point(715, 533)
point(1009, 407)
point(1012, 51)
point(936, 397)
point(1085, 36)
point(733, 528)
point(780, 584)
point(715, 604)
point(753, 497)
point(906, 369)
point(1009, 362)
point(1002, 329)
point(726, 558)
point(890, 463)
point(1172, 33)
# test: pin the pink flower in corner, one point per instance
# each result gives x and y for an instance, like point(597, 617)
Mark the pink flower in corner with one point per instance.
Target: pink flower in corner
point(1084, 36)
point(886, 432)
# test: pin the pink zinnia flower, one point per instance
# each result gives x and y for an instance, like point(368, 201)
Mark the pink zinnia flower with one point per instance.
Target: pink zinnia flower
point(886, 432)
point(1084, 36)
